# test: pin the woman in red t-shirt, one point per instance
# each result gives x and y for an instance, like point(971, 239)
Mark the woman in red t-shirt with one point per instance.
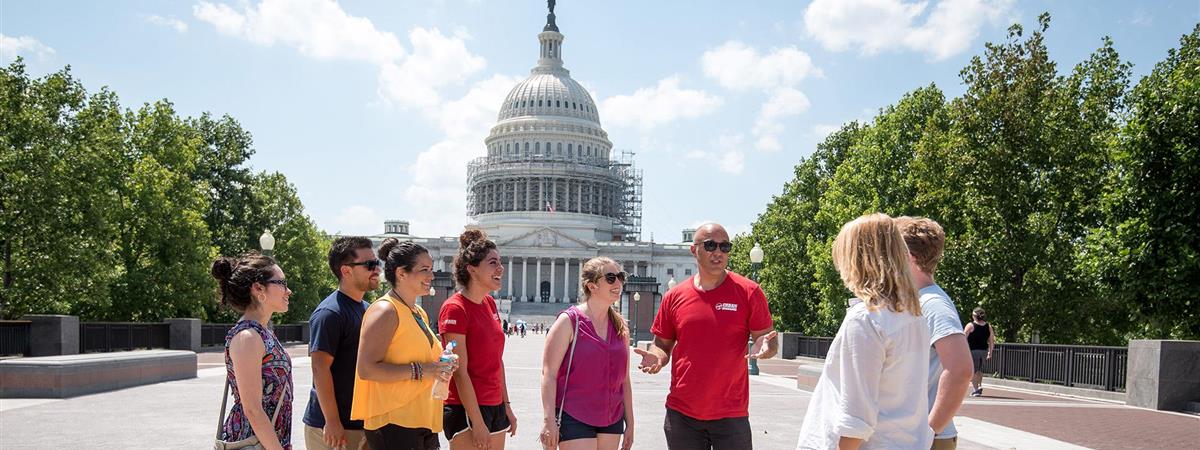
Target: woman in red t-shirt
point(477, 412)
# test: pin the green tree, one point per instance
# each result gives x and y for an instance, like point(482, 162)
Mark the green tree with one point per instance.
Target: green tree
point(60, 153)
point(300, 247)
point(1146, 256)
point(227, 182)
point(1018, 189)
point(163, 243)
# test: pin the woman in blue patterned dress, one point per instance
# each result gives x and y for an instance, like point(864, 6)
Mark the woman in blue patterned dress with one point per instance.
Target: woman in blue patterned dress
point(257, 368)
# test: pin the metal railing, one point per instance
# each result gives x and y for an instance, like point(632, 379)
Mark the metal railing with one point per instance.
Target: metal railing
point(213, 334)
point(14, 337)
point(1084, 366)
point(117, 336)
point(814, 347)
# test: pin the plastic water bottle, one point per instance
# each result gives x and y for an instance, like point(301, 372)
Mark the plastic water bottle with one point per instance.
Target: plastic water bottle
point(441, 387)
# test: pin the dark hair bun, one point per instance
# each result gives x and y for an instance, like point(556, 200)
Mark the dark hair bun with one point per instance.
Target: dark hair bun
point(222, 268)
point(471, 236)
point(386, 247)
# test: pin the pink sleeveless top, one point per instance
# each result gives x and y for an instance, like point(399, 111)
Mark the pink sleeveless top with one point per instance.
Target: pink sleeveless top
point(595, 391)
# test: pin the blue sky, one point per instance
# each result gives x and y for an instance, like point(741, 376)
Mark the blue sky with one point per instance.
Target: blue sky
point(372, 108)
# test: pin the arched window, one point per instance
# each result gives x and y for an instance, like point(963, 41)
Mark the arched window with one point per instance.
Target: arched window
point(526, 149)
point(557, 104)
point(537, 148)
point(539, 103)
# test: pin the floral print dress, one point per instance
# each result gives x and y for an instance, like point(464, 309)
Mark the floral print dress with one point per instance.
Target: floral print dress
point(277, 387)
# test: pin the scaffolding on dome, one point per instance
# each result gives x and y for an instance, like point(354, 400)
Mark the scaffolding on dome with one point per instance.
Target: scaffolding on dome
point(628, 222)
point(598, 186)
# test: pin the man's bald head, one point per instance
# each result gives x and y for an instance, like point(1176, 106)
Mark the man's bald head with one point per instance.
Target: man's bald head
point(711, 230)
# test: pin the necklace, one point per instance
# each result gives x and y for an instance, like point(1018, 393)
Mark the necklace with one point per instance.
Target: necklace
point(398, 297)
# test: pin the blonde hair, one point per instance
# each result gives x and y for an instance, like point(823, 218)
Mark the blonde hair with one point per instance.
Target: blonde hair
point(872, 259)
point(925, 240)
point(593, 271)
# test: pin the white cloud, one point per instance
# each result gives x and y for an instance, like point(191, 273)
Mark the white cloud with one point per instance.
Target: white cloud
point(781, 103)
point(359, 220)
point(167, 22)
point(728, 157)
point(437, 187)
point(437, 60)
point(11, 46)
point(737, 66)
point(318, 29)
point(822, 130)
point(879, 25)
point(666, 102)
point(321, 30)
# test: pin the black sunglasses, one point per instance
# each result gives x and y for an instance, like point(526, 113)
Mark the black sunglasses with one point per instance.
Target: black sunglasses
point(371, 265)
point(282, 283)
point(613, 277)
point(710, 245)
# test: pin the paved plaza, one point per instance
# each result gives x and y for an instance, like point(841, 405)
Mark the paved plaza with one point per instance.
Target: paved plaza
point(183, 414)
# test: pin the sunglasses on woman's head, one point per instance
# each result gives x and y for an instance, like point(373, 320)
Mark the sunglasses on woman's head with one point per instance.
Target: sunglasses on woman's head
point(710, 245)
point(613, 277)
point(371, 265)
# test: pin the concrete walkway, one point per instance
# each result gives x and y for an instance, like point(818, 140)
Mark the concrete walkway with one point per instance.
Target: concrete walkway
point(183, 414)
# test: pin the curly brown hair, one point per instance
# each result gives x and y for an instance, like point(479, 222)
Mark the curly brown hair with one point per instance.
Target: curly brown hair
point(473, 247)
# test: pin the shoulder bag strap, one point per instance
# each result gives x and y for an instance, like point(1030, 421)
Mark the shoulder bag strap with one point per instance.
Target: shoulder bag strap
point(224, 400)
point(570, 359)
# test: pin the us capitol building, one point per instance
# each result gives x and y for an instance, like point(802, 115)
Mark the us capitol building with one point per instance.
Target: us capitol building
point(552, 195)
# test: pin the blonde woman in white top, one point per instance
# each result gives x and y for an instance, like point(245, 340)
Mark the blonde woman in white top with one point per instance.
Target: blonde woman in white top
point(872, 391)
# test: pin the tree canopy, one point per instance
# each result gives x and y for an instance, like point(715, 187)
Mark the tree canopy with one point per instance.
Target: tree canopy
point(1069, 200)
point(117, 214)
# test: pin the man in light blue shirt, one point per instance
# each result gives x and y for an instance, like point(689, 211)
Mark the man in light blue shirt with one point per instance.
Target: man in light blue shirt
point(950, 366)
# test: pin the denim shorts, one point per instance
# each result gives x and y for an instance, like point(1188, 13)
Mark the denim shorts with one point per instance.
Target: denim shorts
point(572, 428)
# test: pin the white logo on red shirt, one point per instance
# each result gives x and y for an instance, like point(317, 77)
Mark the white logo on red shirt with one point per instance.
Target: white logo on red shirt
point(727, 306)
point(450, 322)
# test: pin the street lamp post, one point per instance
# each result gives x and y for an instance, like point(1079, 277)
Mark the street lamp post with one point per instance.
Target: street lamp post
point(267, 243)
point(756, 257)
point(637, 297)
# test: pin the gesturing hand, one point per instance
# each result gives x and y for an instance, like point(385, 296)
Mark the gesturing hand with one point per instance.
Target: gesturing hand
point(651, 362)
point(759, 348)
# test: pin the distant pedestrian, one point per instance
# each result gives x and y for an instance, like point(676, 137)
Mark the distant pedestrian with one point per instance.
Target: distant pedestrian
point(522, 325)
point(335, 326)
point(587, 400)
point(872, 390)
point(257, 369)
point(398, 357)
point(981, 337)
point(704, 324)
point(950, 358)
point(477, 412)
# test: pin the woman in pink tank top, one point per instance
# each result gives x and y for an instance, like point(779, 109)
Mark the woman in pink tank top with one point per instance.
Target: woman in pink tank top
point(593, 396)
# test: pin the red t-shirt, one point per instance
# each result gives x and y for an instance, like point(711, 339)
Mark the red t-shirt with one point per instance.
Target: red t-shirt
point(710, 329)
point(480, 323)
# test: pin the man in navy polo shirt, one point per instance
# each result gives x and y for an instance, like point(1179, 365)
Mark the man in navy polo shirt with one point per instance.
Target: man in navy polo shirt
point(334, 328)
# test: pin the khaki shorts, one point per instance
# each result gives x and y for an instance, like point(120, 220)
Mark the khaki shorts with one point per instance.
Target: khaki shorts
point(945, 444)
point(314, 439)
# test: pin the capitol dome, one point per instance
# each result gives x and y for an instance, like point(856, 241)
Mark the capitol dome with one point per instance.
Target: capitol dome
point(550, 162)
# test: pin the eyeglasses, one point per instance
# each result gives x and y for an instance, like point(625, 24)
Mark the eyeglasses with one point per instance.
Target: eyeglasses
point(710, 245)
point(281, 283)
point(613, 277)
point(371, 265)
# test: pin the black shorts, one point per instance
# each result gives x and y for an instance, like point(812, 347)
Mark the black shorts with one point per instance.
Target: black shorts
point(572, 428)
point(392, 436)
point(456, 422)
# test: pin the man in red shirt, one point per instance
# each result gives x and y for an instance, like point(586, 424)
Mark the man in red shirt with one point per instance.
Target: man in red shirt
point(704, 323)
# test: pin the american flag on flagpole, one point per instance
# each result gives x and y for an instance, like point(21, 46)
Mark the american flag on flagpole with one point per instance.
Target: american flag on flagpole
point(549, 207)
